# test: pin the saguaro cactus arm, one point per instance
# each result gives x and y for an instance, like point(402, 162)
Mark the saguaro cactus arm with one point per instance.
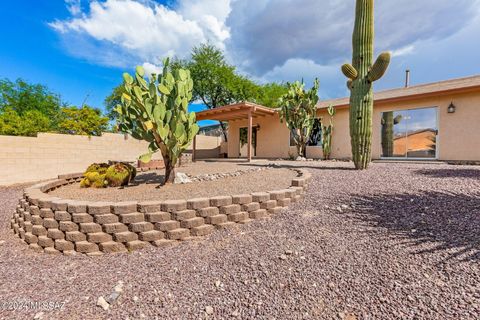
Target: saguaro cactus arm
point(349, 71)
point(379, 67)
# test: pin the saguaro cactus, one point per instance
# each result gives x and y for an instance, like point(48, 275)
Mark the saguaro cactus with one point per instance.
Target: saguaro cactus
point(327, 132)
point(157, 112)
point(388, 121)
point(361, 74)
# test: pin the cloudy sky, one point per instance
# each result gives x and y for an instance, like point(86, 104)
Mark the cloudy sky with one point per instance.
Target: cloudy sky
point(80, 48)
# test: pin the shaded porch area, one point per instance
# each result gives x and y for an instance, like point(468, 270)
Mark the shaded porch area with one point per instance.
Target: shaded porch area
point(236, 112)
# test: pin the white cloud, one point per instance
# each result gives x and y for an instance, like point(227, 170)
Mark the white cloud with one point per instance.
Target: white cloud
point(74, 6)
point(151, 68)
point(269, 40)
point(403, 51)
point(148, 31)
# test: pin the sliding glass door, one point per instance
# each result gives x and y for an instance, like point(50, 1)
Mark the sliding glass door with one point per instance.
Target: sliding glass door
point(409, 134)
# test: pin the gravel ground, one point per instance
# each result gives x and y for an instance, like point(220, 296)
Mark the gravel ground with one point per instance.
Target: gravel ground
point(399, 241)
point(264, 180)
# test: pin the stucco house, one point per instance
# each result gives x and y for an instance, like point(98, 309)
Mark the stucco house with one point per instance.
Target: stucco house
point(436, 121)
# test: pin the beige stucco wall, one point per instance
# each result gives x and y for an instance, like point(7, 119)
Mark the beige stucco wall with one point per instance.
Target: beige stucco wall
point(458, 138)
point(24, 159)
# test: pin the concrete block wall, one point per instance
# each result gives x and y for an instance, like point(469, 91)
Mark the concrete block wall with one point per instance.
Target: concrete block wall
point(26, 159)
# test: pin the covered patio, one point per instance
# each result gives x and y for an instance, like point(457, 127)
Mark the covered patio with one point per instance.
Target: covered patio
point(235, 112)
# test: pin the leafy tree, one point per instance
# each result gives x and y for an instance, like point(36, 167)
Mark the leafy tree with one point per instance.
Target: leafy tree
point(112, 101)
point(31, 122)
point(82, 121)
point(298, 110)
point(22, 96)
point(270, 93)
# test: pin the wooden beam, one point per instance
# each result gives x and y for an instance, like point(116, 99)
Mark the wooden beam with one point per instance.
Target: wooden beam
point(194, 147)
point(249, 144)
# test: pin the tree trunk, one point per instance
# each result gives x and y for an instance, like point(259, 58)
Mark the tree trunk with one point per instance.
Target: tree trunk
point(224, 131)
point(169, 172)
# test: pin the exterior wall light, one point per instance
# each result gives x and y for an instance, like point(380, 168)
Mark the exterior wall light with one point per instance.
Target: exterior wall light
point(451, 108)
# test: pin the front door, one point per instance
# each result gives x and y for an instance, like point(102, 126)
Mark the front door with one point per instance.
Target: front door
point(244, 142)
point(409, 134)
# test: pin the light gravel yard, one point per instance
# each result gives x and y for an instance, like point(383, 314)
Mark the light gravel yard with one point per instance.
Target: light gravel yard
point(146, 186)
point(399, 241)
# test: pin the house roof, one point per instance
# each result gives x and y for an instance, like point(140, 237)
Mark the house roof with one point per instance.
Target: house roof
point(233, 112)
point(460, 85)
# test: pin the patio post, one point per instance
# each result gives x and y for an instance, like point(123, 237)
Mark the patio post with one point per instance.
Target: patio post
point(193, 148)
point(249, 144)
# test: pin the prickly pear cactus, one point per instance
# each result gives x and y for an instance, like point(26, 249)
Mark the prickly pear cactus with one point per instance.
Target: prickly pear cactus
point(156, 111)
point(361, 74)
point(298, 110)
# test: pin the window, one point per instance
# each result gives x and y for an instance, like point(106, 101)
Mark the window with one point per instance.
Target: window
point(315, 139)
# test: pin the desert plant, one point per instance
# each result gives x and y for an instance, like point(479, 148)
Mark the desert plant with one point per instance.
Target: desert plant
point(388, 122)
point(327, 132)
point(157, 112)
point(298, 109)
point(120, 174)
point(94, 176)
point(361, 74)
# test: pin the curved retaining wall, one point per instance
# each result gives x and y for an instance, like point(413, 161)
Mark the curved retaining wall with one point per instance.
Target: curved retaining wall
point(53, 225)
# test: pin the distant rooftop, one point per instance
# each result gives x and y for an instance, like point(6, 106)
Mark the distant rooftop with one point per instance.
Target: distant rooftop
point(467, 84)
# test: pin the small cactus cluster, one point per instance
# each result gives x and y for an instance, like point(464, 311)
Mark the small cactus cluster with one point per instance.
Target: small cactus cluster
point(361, 74)
point(157, 111)
point(102, 175)
point(327, 132)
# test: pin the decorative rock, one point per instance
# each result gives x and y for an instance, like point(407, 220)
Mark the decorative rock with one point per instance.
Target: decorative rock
point(162, 243)
point(209, 310)
point(182, 178)
point(101, 302)
point(51, 250)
